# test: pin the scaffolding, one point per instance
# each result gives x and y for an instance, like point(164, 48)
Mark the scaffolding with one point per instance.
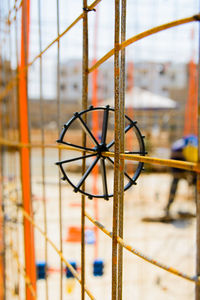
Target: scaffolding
point(17, 224)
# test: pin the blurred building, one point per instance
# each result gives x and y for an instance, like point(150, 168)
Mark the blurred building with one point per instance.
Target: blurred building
point(164, 79)
point(158, 78)
point(71, 81)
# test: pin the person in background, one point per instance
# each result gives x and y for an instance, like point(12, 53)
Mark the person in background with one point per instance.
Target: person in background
point(185, 149)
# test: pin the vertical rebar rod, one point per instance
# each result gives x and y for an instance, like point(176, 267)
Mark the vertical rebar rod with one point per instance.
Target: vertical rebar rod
point(12, 156)
point(59, 151)
point(2, 244)
point(122, 126)
point(197, 287)
point(17, 138)
point(2, 220)
point(17, 235)
point(3, 171)
point(95, 129)
point(16, 72)
point(43, 149)
point(25, 153)
point(2, 237)
point(84, 106)
point(9, 75)
point(117, 154)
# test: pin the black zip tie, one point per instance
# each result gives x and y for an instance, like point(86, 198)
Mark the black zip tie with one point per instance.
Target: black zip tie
point(88, 9)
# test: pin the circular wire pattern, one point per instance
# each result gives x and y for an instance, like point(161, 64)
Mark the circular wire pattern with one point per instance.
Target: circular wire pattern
point(98, 125)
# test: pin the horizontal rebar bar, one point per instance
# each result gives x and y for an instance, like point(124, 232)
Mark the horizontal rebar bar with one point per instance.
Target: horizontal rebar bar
point(142, 35)
point(190, 166)
point(135, 38)
point(143, 256)
point(173, 163)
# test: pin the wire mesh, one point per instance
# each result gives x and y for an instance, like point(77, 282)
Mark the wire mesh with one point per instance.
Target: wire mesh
point(25, 153)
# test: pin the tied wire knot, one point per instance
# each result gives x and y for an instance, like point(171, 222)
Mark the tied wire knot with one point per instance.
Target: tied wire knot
point(197, 17)
point(86, 9)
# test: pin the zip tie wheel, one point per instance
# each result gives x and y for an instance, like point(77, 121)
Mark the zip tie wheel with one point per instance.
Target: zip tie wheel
point(93, 149)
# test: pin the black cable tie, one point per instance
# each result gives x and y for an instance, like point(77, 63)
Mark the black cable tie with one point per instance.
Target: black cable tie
point(197, 17)
point(89, 9)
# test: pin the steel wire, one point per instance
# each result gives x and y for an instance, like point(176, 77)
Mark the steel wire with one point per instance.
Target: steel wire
point(43, 142)
point(73, 271)
point(122, 149)
point(22, 270)
point(119, 154)
point(142, 35)
point(59, 150)
point(172, 163)
point(169, 269)
point(13, 81)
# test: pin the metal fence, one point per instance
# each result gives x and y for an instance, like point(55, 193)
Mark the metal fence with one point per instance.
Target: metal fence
point(17, 224)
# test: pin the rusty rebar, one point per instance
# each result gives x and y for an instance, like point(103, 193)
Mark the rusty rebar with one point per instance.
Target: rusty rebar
point(197, 287)
point(59, 150)
point(84, 106)
point(122, 163)
point(43, 142)
point(116, 154)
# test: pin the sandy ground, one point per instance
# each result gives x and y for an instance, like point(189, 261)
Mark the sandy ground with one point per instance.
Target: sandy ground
point(172, 244)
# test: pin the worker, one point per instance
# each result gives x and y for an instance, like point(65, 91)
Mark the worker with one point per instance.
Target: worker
point(185, 149)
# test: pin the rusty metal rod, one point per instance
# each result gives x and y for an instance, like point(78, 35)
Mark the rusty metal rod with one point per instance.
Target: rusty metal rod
point(59, 151)
point(116, 153)
point(122, 149)
point(36, 226)
point(43, 141)
point(22, 270)
point(197, 287)
point(194, 279)
point(172, 163)
point(144, 35)
point(159, 161)
point(16, 8)
point(84, 106)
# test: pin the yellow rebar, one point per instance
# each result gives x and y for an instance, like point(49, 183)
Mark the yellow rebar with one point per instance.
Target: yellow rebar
point(143, 256)
point(15, 8)
point(21, 269)
point(190, 166)
point(143, 35)
point(11, 144)
point(69, 266)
